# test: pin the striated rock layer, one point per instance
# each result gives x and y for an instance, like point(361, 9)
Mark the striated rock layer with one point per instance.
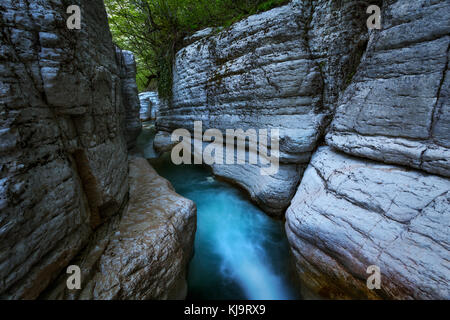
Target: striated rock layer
point(68, 115)
point(397, 108)
point(301, 66)
point(349, 213)
point(145, 255)
point(63, 152)
point(130, 99)
point(149, 104)
point(278, 69)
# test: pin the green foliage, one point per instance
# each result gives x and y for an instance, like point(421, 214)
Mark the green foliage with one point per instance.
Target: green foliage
point(154, 30)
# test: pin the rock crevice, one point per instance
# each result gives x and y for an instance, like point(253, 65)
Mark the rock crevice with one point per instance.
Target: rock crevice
point(266, 72)
point(385, 92)
point(69, 113)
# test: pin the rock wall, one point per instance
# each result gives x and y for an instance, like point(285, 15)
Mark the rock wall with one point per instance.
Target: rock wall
point(149, 105)
point(349, 213)
point(277, 69)
point(68, 108)
point(145, 254)
point(396, 109)
point(130, 99)
point(302, 66)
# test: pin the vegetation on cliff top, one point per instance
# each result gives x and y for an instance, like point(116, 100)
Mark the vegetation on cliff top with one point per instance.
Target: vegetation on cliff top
point(154, 30)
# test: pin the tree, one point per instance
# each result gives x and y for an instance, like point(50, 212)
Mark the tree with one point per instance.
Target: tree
point(154, 30)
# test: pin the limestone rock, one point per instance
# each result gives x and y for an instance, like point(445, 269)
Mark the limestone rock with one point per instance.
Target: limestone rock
point(145, 255)
point(63, 155)
point(349, 214)
point(130, 99)
point(396, 109)
point(270, 193)
point(163, 142)
point(149, 102)
point(274, 70)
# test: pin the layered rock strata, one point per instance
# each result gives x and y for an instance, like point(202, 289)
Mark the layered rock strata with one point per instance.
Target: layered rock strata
point(130, 99)
point(145, 254)
point(68, 113)
point(301, 66)
point(149, 102)
point(351, 213)
point(278, 69)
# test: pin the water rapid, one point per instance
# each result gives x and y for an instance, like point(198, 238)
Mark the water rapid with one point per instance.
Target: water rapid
point(240, 253)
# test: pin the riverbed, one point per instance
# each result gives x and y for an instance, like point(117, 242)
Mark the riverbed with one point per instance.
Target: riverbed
point(240, 252)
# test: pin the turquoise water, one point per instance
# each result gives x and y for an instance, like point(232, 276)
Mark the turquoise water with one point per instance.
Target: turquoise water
point(145, 140)
point(240, 253)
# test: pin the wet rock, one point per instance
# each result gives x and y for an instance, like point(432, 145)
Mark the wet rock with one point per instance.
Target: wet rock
point(350, 213)
point(143, 255)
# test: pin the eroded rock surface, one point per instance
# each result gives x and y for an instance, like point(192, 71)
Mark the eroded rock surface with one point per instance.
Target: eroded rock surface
point(397, 108)
point(149, 102)
point(145, 254)
point(69, 112)
point(351, 213)
point(63, 152)
point(130, 100)
point(278, 69)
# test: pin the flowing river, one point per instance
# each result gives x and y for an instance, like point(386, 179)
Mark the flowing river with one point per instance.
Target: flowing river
point(240, 252)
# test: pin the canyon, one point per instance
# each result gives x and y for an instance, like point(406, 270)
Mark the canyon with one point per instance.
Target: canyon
point(364, 124)
point(364, 135)
point(69, 178)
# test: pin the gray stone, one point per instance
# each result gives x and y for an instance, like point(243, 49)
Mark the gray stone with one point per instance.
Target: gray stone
point(63, 153)
point(349, 214)
point(130, 99)
point(68, 107)
point(150, 103)
point(145, 254)
point(396, 108)
point(268, 71)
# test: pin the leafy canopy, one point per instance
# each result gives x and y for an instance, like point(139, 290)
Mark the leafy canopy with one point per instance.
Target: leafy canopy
point(154, 30)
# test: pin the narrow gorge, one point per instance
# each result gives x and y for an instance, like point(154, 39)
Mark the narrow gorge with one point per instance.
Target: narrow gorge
point(87, 177)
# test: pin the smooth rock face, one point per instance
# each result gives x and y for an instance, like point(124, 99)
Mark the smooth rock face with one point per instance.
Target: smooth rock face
point(145, 255)
point(397, 108)
point(351, 213)
point(63, 153)
point(130, 100)
point(270, 193)
point(265, 72)
point(150, 103)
